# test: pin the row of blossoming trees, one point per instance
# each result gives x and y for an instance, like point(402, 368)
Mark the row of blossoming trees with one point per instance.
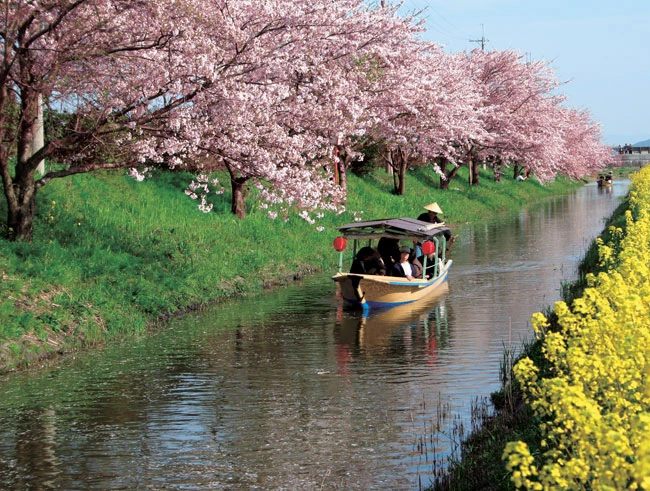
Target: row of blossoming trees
point(282, 93)
point(592, 398)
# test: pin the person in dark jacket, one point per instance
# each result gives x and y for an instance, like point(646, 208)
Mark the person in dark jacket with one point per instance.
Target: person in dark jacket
point(389, 251)
point(431, 215)
point(367, 261)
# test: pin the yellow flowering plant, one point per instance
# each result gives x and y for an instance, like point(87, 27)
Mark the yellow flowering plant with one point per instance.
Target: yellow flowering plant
point(595, 407)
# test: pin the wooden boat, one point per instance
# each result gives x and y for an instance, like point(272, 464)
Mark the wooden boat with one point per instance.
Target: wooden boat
point(370, 290)
point(605, 180)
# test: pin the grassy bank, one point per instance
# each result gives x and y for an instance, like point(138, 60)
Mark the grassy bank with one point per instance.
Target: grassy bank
point(112, 256)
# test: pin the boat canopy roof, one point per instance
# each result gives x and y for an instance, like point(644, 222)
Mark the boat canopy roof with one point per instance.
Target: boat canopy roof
point(398, 228)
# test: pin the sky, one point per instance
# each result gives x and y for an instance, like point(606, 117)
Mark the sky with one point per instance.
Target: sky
point(601, 49)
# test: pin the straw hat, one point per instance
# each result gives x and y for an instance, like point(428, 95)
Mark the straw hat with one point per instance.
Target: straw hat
point(434, 208)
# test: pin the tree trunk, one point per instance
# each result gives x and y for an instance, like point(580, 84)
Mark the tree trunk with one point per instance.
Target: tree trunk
point(403, 165)
point(399, 162)
point(20, 216)
point(20, 188)
point(445, 175)
point(238, 206)
point(238, 187)
point(38, 140)
point(344, 160)
point(395, 181)
point(444, 182)
point(441, 163)
point(343, 175)
point(496, 167)
point(20, 193)
point(473, 170)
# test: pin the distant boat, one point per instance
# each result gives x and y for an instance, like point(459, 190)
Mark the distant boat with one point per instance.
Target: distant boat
point(370, 290)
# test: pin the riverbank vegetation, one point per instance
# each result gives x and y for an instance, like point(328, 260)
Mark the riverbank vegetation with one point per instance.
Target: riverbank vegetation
point(573, 413)
point(112, 256)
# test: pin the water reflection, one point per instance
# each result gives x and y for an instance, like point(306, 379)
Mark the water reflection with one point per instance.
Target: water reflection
point(398, 330)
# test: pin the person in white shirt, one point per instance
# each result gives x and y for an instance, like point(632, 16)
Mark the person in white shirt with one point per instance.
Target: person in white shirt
point(405, 268)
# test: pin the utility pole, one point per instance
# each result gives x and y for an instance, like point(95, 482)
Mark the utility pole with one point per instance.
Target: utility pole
point(482, 40)
point(38, 140)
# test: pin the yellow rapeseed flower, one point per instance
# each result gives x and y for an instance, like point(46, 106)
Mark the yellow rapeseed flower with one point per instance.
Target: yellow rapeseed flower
point(595, 409)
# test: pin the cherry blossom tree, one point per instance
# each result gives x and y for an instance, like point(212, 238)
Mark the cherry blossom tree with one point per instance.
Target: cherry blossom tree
point(582, 152)
point(524, 120)
point(261, 88)
point(293, 123)
point(424, 103)
point(121, 69)
point(281, 93)
point(513, 97)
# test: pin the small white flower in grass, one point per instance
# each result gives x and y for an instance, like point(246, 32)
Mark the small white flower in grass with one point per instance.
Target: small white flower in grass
point(305, 216)
point(205, 207)
point(320, 228)
point(133, 172)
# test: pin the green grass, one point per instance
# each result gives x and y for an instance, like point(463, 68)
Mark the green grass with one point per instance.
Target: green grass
point(111, 256)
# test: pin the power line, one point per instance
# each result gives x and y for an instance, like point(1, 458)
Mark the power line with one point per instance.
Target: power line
point(482, 40)
point(436, 22)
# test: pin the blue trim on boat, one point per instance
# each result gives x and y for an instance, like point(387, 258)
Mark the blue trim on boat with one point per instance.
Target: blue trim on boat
point(380, 305)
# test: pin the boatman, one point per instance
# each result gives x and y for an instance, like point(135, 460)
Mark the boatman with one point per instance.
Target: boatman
point(431, 216)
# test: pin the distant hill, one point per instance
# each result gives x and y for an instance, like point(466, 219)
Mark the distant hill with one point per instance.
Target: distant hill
point(644, 143)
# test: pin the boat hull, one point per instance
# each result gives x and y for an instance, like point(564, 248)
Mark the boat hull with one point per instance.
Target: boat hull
point(386, 291)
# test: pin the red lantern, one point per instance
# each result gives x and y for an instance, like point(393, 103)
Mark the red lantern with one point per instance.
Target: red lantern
point(340, 243)
point(428, 247)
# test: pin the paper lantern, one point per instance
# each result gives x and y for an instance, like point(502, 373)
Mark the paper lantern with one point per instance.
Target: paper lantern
point(428, 247)
point(340, 243)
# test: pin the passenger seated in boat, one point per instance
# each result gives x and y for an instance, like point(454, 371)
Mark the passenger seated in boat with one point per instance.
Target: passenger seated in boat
point(367, 261)
point(405, 268)
point(389, 251)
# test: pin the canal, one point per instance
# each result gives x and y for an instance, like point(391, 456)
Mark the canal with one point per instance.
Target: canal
point(292, 391)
